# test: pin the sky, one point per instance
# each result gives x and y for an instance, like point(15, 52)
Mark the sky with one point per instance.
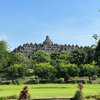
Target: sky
point(65, 21)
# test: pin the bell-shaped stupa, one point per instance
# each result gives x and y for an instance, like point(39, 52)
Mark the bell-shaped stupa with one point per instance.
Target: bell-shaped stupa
point(47, 41)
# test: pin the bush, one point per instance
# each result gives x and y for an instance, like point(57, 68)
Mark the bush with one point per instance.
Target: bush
point(30, 82)
point(78, 95)
point(89, 82)
point(3, 98)
point(12, 97)
point(9, 97)
point(5, 82)
point(94, 77)
point(43, 81)
point(36, 81)
point(15, 82)
point(60, 80)
point(84, 81)
point(72, 81)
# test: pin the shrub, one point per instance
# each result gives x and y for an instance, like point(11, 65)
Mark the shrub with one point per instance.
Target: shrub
point(84, 81)
point(43, 81)
point(94, 77)
point(60, 80)
point(30, 82)
point(89, 96)
point(36, 81)
point(3, 98)
point(72, 81)
point(15, 82)
point(9, 97)
point(12, 97)
point(89, 82)
point(5, 82)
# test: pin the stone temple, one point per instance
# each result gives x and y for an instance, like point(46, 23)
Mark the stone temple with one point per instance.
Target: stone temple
point(48, 46)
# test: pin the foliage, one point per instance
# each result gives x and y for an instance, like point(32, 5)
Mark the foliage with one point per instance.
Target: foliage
point(88, 70)
point(60, 80)
point(4, 57)
point(77, 57)
point(64, 56)
point(64, 64)
point(84, 56)
point(19, 58)
point(44, 70)
point(41, 56)
point(89, 55)
point(94, 77)
point(61, 71)
point(3, 46)
point(16, 70)
point(73, 70)
point(13, 97)
point(55, 58)
point(97, 53)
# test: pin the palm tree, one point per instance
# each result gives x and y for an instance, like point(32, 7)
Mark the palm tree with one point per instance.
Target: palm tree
point(95, 36)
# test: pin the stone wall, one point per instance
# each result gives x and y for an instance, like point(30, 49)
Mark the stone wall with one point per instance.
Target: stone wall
point(29, 49)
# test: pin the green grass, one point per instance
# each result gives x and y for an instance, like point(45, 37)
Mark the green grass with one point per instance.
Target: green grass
point(49, 90)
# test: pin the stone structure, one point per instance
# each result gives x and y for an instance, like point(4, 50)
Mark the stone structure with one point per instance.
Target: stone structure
point(48, 46)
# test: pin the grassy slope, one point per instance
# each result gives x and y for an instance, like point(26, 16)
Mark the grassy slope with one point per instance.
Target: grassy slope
point(49, 90)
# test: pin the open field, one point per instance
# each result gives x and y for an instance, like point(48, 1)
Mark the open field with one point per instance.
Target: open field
point(49, 90)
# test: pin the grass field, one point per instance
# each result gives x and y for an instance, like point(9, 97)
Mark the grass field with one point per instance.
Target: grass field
point(49, 90)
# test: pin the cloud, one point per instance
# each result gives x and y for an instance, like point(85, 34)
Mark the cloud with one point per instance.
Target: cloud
point(3, 36)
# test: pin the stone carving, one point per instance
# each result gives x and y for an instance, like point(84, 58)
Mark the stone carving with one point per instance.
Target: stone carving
point(48, 46)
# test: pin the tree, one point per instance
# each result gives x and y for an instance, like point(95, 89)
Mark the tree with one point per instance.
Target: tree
point(55, 58)
point(20, 58)
point(55, 55)
point(66, 70)
point(95, 36)
point(88, 70)
point(16, 70)
point(23, 70)
point(77, 57)
point(40, 57)
point(12, 71)
point(1, 70)
point(97, 53)
point(73, 70)
point(3, 46)
point(62, 71)
point(4, 57)
point(89, 55)
point(64, 56)
point(44, 70)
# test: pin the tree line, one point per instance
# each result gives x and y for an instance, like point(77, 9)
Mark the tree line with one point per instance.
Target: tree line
point(65, 64)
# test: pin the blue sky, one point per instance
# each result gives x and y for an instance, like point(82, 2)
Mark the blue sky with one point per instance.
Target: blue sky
point(65, 21)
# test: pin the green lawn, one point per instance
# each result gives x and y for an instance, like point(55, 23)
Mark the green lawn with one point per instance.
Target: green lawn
point(49, 90)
